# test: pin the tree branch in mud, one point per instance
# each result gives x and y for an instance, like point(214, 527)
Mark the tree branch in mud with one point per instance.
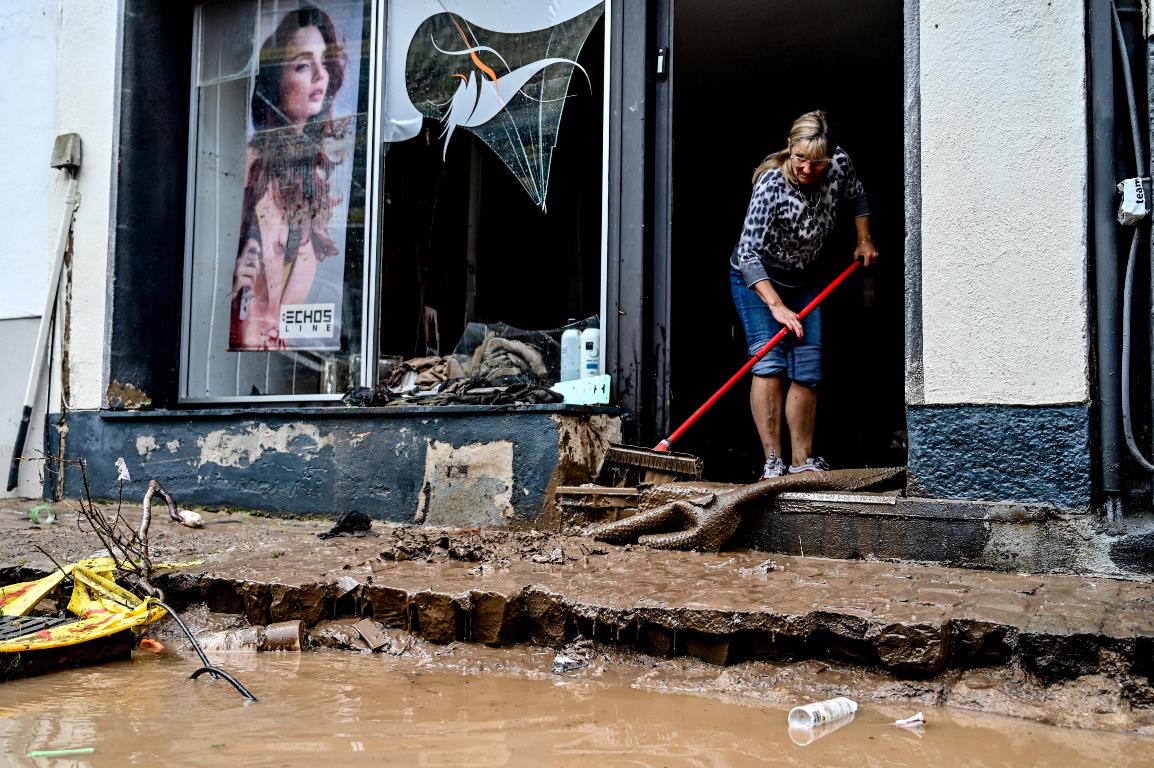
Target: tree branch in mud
point(128, 548)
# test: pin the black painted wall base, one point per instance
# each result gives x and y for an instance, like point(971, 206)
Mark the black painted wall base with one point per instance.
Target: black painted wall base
point(453, 466)
point(1039, 454)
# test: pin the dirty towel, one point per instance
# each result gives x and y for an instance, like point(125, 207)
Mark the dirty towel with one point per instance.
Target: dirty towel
point(480, 391)
point(497, 357)
point(351, 523)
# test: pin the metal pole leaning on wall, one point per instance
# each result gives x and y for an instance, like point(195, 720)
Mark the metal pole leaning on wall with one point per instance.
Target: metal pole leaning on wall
point(65, 156)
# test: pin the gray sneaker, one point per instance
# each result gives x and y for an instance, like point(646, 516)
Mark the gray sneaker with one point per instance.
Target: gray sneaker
point(810, 465)
point(774, 467)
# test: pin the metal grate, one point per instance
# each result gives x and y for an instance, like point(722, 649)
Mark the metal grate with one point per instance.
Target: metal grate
point(12, 627)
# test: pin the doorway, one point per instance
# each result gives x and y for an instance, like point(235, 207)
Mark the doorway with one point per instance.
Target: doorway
point(743, 70)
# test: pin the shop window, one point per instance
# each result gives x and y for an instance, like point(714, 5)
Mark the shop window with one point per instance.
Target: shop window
point(308, 247)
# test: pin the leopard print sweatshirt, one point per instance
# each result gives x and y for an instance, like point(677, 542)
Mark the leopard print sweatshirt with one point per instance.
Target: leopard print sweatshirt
point(785, 227)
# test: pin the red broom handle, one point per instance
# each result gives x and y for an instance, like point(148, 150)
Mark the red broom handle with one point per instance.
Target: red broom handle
point(668, 442)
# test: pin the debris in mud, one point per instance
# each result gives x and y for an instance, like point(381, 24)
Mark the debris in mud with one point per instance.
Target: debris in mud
point(244, 639)
point(345, 585)
point(577, 654)
point(187, 518)
point(804, 736)
point(579, 649)
point(486, 569)
point(62, 752)
point(563, 664)
point(761, 569)
point(284, 636)
point(487, 547)
point(350, 523)
point(554, 557)
point(914, 722)
point(819, 712)
point(372, 633)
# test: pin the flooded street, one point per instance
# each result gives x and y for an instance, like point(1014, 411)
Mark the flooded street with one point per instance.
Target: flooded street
point(338, 709)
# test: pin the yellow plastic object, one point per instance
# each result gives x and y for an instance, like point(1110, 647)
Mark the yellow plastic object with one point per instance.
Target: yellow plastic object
point(101, 606)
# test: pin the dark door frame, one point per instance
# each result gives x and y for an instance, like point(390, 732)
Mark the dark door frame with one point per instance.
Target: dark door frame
point(637, 268)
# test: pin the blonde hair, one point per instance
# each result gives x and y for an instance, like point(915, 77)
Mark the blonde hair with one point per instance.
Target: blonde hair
point(811, 128)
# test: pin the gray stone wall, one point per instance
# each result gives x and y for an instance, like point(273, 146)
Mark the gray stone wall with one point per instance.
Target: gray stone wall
point(1038, 454)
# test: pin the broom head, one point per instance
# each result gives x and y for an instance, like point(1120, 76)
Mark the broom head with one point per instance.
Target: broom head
point(630, 465)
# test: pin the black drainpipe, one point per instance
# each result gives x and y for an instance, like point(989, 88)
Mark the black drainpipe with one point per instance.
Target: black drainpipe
point(1129, 41)
point(1102, 204)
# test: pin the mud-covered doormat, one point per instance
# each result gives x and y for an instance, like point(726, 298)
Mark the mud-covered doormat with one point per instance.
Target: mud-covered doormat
point(702, 516)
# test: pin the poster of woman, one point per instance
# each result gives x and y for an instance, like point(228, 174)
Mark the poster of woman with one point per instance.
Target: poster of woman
point(288, 277)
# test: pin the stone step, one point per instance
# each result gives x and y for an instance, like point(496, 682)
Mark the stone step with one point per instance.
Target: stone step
point(998, 536)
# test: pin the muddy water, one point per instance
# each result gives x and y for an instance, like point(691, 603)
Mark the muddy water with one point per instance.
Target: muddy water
point(343, 709)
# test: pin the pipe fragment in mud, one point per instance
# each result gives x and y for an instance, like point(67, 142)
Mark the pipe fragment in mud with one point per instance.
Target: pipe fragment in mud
point(284, 636)
point(242, 639)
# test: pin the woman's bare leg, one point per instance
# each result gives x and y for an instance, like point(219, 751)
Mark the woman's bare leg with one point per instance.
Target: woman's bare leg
point(767, 403)
point(801, 415)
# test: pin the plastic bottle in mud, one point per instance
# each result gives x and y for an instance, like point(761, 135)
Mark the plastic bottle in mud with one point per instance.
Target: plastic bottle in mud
point(812, 715)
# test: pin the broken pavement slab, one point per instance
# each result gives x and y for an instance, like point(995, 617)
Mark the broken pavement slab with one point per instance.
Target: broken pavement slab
point(371, 632)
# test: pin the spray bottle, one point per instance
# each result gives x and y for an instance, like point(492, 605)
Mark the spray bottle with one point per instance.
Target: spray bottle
point(590, 352)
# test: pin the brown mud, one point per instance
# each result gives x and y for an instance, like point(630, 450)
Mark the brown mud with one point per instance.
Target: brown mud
point(468, 705)
point(1055, 649)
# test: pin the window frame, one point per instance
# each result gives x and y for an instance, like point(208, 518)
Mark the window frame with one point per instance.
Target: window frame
point(374, 153)
point(371, 168)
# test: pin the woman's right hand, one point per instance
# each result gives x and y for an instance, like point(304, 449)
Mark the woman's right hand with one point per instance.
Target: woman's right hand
point(781, 313)
point(788, 318)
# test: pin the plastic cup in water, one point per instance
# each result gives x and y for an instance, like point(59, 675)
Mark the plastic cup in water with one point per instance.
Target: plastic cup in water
point(42, 514)
point(803, 735)
point(813, 715)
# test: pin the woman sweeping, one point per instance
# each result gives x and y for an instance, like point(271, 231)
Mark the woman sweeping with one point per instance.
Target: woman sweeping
point(773, 273)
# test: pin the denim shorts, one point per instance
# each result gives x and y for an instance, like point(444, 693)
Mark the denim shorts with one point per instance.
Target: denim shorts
point(799, 359)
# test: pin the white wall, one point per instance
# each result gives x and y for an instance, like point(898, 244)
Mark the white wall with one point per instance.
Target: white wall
point(1004, 184)
point(28, 59)
point(60, 60)
point(87, 103)
point(28, 98)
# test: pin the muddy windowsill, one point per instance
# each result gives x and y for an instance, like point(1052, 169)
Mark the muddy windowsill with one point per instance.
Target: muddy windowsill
point(339, 410)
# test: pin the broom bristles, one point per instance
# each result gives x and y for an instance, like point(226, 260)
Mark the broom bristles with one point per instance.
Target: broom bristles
point(681, 464)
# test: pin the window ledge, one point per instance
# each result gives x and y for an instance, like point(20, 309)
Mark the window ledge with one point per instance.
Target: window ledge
point(390, 411)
